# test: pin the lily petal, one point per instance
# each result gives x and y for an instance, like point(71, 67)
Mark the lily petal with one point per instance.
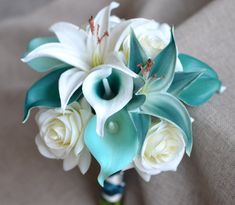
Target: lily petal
point(69, 82)
point(71, 35)
point(115, 60)
point(102, 18)
point(121, 86)
point(60, 52)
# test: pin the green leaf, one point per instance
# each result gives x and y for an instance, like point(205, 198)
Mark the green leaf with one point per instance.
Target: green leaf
point(45, 93)
point(117, 148)
point(142, 123)
point(169, 108)
point(204, 87)
point(137, 54)
point(163, 69)
point(44, 63)
point(181, 81)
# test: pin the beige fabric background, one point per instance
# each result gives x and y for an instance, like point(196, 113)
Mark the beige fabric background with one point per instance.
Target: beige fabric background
point(204, 29)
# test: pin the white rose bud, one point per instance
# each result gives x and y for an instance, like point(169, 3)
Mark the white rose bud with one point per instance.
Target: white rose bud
point(153, 37)
point(61, 135)
point(162, 150)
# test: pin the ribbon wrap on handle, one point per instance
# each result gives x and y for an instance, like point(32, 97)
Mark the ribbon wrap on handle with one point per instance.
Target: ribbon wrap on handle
point(113, 190)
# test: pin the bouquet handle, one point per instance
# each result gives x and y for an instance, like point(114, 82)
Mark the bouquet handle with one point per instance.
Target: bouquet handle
point(113, 190)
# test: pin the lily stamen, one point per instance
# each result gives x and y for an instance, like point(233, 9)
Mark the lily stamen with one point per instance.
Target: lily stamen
point(147, 68)
point(92, 24)
point(149, 65)
point(106, 33)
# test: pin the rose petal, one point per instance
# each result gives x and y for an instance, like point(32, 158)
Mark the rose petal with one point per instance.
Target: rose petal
point(70, 162)
point(84, 160)
point(42, 148)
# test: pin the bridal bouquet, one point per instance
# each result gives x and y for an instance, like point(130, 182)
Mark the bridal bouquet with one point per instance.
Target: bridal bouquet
point(115, 90)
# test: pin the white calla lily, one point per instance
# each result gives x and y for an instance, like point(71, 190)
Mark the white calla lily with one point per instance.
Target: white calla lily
point(110, 91)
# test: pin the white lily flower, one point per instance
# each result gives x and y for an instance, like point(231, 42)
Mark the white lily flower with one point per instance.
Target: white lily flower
point(87, 51)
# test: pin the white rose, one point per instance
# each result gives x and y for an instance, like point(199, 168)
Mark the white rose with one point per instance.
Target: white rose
point(153, 37)
point(162, 150)
point(61, 135)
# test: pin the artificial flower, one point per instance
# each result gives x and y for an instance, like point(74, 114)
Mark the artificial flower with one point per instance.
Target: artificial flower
point(86, 51)
point(61, 135)
point(162, 150)
point(128, 72)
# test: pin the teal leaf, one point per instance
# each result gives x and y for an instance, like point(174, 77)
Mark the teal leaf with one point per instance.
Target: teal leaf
point(169, 108)
point(204, 87)
point(36, 42)
point(200, 91)
point(191, 64)
point(181, 81)
point(117, 148)
point(43, 64)
point(163, 69)
point(142, 123)
point(136, 102)
point(45, 93)
point(138, 84)
point(137, 54)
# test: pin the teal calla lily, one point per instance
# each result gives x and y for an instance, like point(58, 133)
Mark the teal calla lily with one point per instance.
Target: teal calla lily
point(45, 93)
point(117, 148)
point(202, 88)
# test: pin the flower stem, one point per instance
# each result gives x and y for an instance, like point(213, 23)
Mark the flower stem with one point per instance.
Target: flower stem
point(113, 190)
